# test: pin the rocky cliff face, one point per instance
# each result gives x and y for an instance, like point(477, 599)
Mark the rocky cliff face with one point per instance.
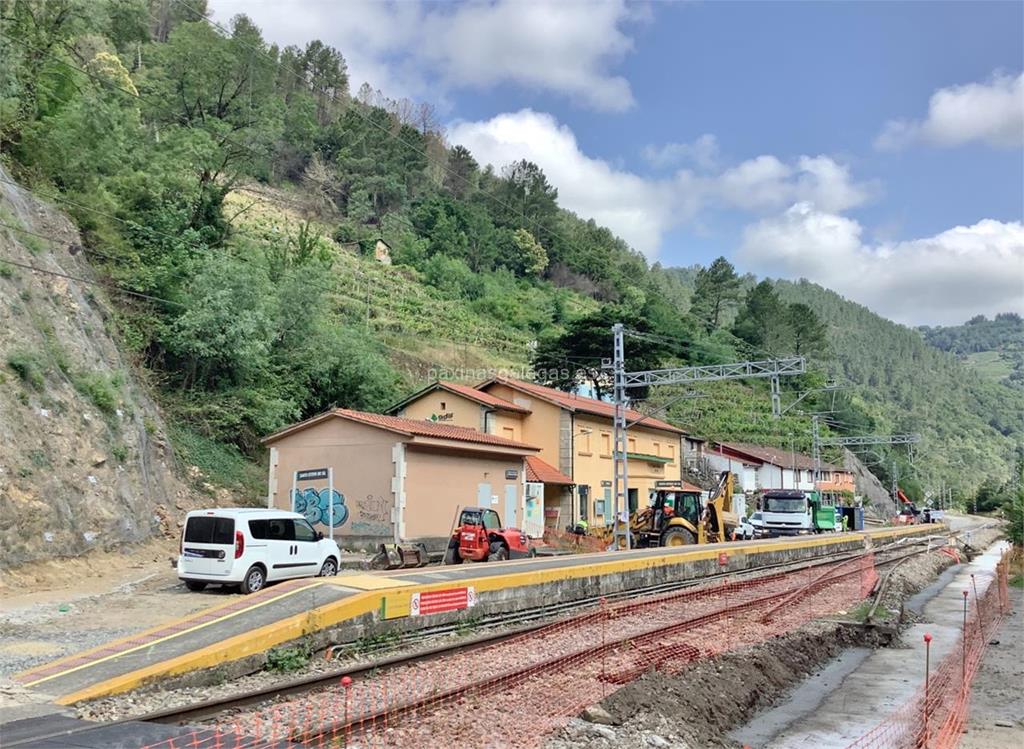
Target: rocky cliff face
point(877, 500)
point(84, 461)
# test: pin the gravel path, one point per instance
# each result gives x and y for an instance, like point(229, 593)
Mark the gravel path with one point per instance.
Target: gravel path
point(997, 694)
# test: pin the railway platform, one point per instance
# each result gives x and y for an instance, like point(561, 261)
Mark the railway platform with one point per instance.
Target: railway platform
point(234, 636)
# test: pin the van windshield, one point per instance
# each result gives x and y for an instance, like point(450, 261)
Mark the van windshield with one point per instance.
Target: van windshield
point(210, 530)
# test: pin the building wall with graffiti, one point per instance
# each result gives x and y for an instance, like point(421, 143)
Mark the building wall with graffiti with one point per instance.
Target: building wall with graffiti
point(391, 485)
point(362, 500)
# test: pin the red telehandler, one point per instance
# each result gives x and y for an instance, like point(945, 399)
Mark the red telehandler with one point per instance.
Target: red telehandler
point(479, 537)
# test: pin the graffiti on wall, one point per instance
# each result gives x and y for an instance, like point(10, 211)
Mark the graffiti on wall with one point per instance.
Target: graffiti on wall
point(373, 516)
point(316, 506)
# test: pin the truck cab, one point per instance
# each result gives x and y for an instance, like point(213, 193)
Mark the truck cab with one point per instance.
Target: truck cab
point(786, 512)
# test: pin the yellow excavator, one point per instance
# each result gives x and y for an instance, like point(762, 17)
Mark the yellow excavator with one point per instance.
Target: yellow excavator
point(676, 516)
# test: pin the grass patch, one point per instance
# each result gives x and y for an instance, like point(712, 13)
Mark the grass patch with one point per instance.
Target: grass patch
point(293, 658)
point(28, 365)
point(1017, 581)
point(375, 643)
point(6, 270)
point(103, 391)
point(221, 464)
point(32, 243)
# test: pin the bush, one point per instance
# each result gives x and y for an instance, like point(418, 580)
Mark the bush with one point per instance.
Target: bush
point(221, 464)
point(101, 390)
point(28, 366)
point(283, 660)
point(1014, 509)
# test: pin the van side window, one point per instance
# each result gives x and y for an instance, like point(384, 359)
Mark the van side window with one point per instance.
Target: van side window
point(280, 529)
point(258, 529)
point(210, 530)
point(304, 531)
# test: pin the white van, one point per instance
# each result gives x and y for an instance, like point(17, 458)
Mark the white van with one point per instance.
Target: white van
point(249, 548)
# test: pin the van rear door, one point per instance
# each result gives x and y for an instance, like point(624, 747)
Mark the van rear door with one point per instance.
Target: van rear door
point(209, 545)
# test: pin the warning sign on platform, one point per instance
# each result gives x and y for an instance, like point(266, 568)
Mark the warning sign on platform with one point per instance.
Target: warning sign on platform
point(440, 601)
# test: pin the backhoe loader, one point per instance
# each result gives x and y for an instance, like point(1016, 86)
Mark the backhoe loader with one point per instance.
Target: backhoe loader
point(676, 516)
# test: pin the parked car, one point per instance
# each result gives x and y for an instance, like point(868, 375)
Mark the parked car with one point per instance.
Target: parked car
point(752, 527)
point(250, 548)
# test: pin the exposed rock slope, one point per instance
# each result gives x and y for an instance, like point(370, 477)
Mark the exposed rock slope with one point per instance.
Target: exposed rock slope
point(84, 461)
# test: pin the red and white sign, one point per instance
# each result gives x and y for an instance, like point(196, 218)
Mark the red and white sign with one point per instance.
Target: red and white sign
point(440, 601)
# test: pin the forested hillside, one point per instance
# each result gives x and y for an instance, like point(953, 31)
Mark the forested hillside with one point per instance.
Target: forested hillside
point(232, 195)
point(993, 347)
point(971, 426)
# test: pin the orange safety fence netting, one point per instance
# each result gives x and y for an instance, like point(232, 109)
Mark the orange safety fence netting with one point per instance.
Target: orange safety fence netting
point(549, 674)
point(933, 718)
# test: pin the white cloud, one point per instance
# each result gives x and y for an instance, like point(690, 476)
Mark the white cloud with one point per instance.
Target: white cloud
point(991, 112)
point(702, 152)
point(639, 210)
point(767, 184)
point(643, 209)
point(421, 50)
point(946, 278)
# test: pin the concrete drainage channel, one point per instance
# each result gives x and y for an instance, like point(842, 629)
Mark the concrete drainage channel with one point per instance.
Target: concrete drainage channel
point(884, 679)
point(762, 696)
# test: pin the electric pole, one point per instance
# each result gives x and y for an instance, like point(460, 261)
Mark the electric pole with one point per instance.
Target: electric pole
point(623, 381)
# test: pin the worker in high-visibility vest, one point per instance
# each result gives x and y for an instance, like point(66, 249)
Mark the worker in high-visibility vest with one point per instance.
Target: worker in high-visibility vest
point(580, 529)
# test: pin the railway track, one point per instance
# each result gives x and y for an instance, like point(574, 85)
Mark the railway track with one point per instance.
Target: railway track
point(527, 622)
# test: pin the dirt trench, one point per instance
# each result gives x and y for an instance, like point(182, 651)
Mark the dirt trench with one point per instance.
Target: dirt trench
point(699, 707)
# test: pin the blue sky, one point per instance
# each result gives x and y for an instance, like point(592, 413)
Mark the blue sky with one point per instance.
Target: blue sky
point(873, 147)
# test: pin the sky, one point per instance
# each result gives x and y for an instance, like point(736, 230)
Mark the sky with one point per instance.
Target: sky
point(876, 148)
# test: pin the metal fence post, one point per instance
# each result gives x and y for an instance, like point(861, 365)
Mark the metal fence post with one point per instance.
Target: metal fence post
point(927, 683)
point(963, 649)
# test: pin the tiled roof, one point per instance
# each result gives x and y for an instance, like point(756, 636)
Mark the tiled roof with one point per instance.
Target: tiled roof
point(411, 427)
point(538, 470)
point(483, 397)
point(778, 457)
point(580, 403)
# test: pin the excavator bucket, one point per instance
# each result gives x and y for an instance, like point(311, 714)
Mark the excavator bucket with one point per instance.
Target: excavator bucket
point(400, 556)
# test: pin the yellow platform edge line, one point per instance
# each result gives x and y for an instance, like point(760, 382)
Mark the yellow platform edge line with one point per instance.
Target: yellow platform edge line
point(294, 627)
point(171, 636)
point(234, 648)
point(151, 630)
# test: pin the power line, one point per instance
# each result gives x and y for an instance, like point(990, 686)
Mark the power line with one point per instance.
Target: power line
point(90, 282)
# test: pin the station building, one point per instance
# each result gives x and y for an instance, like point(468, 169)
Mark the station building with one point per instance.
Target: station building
point(394, 479)
point(570, 477)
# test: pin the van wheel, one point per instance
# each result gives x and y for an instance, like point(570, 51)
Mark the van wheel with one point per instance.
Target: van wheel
point(499, 553)
point(254, 580)
point(195, 585)
point(330, 568)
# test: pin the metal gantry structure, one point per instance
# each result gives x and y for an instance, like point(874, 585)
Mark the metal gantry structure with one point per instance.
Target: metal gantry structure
point(623, 381)
point(857, 440)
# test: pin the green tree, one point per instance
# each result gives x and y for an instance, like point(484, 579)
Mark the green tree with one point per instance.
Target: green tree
point(764, 321)
point(532, 257)
point(809, 334)
point(461, 174)
point(716, 290)
point(572, 358)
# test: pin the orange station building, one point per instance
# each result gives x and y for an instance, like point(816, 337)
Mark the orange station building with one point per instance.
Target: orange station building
point(570, 477)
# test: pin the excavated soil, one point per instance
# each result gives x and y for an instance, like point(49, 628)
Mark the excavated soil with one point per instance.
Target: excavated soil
point(699, 707)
